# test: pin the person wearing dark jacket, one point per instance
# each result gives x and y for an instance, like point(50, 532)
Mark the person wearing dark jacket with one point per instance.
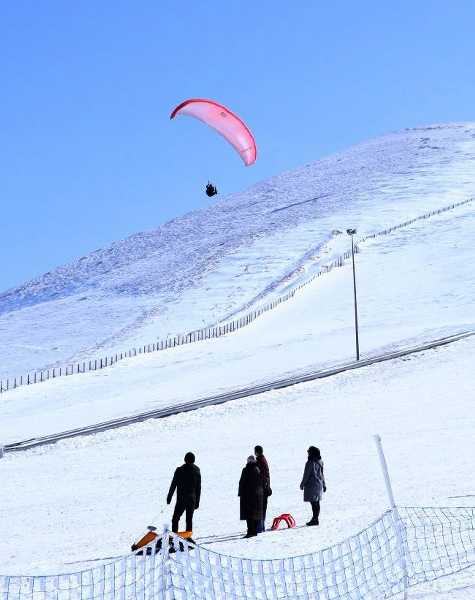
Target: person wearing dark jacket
point(211, 190)
point(251, 494)
point(313, 483)
point(265, 478)
point(187, 482)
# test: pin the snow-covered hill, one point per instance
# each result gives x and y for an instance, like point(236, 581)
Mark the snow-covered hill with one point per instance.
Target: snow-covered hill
point(91, 497)
point(414, 285)
point(211, 263)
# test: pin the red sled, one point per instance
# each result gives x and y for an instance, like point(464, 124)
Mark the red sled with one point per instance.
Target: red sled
point(287, 518)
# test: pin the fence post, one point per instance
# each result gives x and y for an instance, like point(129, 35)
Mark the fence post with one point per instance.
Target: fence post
point(395, 512)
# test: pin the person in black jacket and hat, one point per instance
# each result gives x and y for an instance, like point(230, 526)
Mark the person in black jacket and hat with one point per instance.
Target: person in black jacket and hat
point(187, 482)
point(251, 495)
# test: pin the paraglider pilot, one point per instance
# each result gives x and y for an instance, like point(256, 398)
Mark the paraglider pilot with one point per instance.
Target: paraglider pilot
point(211, 189)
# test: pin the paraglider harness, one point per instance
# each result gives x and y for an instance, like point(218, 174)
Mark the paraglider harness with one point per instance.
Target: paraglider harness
point(211, 190)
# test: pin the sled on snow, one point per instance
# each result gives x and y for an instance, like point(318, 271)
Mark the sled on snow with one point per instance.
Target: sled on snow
point(286, 518)
point(151, 542)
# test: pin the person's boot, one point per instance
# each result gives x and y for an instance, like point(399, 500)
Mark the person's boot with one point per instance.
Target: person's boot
point(316, 514)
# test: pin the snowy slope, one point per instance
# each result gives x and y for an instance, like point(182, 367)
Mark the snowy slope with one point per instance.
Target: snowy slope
point(208, 264)
point(91, 497)
point(414, 285)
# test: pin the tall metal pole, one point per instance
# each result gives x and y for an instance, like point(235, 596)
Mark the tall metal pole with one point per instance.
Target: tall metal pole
point(352, 232)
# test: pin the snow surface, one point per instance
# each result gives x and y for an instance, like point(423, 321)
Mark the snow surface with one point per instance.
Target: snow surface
point(414, 285)
point(211, 263)
point(92, 497)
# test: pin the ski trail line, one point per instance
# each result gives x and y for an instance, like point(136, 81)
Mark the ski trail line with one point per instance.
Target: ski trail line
point(237, 394)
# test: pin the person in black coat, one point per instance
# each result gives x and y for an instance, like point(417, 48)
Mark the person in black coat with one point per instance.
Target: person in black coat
point(265, 477)
point(187, 482)
point(251, 494)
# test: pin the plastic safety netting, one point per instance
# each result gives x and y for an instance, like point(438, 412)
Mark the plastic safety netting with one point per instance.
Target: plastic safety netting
point(403, 548)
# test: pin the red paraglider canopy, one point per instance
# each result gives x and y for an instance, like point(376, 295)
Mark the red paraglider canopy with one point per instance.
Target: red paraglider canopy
point(225, 122)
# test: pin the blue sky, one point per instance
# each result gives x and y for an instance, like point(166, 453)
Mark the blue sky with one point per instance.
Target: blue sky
point(88, 154)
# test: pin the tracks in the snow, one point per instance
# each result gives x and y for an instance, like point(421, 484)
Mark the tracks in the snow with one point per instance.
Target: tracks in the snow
point(245, 392)
point(231, 537)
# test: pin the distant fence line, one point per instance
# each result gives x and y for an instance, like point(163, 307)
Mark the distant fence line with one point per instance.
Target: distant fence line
point(231, 395)
point(205, 333)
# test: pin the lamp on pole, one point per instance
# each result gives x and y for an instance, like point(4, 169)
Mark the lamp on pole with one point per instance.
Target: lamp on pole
point(351, 233)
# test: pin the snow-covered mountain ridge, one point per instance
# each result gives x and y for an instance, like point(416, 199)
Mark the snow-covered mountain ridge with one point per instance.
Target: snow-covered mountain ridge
point(210, 263)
